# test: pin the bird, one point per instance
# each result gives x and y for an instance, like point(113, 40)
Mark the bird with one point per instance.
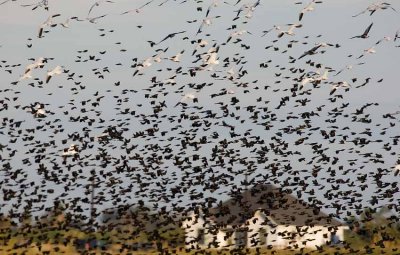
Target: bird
point(139, 9)
point(171, 35)
point(48, 23)
point(97, 3)
point(177, 57)
point(374, 7)
point(313, 50)
point(397, 168)
point(26, 75)
point(308, 8)
point(289, 31)
point(56, 71)
point(206, 22)
point(145, 64)
point(211, 6)
point(365, 34)
point(39, 63)
point(72, 151)
point(38, 111)
point(341, 84)
point(65, 24)
point(187, 96)
point(5, 2)
point(237, 34)
point(41, 3)
point(397, 35)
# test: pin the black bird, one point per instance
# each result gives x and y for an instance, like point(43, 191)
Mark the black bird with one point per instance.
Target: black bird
point(365, 34)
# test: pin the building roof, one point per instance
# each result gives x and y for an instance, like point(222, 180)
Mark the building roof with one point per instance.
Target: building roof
point(278, 204)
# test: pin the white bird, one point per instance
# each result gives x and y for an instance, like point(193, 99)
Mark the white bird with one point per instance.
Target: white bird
point(322, 77)
point(341, 84)
point(231, 73)
point(26, 75)
point(309, 7)
point(56, 71)
point(97, 4)
point(397, 169)
point(374, 7)
point(157, 58)
point(305, 81)
point(230, 91)
point(39, 63)
point(248, 9)
point(211, 6)
point(206, 22)
point(186, 97)
point(39, 112)
point(177, 57)
point(65, 24)
point(137, 10)
point(145, 64)
point(289, 31)
point(237, 34)
point(210, 58)
point(384, 39)
point(72, 151)
point(370, 50)
point(170, 80)
point(48, 23)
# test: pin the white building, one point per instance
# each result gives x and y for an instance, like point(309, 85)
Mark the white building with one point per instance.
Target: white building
point(262, 216)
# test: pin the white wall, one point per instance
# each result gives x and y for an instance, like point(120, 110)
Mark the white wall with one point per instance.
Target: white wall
point(279, 236)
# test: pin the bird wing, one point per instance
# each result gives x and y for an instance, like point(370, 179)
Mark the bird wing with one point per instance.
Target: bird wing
point(48, 77)
point(4, 2)
point(91, 8)
point(40, 31)
point(359, 14)
point(149, 2)
point(301, 15)
point(367, 30)
point(200, 28)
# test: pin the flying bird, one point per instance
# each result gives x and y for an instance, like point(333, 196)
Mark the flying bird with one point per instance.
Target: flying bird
point(374, 7)
point(97, 3)
point(365, 34)
point(139, 9)
point(48, 23)
point(56, 71)
point(308, 8)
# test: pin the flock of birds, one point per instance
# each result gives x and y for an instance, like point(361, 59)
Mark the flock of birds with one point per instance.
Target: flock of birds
point(209, 122)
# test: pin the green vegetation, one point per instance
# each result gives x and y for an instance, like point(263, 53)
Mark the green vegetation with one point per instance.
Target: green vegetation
point(140, 231)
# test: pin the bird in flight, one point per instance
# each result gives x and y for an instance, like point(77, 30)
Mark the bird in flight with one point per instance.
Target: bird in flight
point(57, 70)
point(374, 7)
point(97, 4)
point(47, 23)
point(172, 35)
point(365, 34)
point(309, 7)
point(137, 10)
point(313, 50)
point(41, 3)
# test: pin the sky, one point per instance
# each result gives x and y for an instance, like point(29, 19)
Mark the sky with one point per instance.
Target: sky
point(99, 85)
